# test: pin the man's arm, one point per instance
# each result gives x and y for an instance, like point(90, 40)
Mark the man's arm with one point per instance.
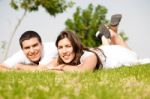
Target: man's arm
point(3, 67)
point(31, 67)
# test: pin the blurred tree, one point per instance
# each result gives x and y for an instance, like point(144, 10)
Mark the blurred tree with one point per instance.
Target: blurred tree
point(2, 45)
point(2, 49)
point(124, 36)
point(86, 22)
point(53, 7)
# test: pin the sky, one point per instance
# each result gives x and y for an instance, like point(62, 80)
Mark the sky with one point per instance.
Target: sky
point(135, 23)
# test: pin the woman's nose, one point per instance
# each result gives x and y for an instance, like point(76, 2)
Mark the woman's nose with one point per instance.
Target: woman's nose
point(64, 50)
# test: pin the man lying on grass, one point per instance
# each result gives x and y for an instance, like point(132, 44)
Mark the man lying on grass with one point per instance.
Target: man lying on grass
point(33, 53)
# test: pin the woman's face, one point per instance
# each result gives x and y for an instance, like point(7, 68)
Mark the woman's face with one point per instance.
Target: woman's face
point(65, 50)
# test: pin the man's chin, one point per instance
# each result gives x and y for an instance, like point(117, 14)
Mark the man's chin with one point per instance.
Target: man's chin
point(35, 60)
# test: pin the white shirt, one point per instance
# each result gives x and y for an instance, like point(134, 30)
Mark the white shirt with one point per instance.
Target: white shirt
point(85, 55)
point(117, 56)
point(49, 53)
point(113, 56)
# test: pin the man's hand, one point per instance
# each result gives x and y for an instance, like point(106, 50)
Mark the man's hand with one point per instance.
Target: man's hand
point(31, 67)
point(3, 67)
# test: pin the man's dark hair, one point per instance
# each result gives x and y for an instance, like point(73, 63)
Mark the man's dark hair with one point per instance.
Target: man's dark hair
point(28, 35)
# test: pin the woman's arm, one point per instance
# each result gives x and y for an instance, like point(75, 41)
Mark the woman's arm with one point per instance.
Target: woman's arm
point(89, 64)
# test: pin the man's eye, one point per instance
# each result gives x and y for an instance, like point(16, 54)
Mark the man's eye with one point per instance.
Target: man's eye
point(35, 45)
point(27, 48)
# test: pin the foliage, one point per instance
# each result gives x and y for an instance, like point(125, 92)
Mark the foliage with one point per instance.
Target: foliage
point(124, 36)
point(120, 83)
point(3, 44)
point(85, 23)
point(53, 7)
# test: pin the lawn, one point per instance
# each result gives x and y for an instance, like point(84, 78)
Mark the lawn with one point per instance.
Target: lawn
point(120, 83)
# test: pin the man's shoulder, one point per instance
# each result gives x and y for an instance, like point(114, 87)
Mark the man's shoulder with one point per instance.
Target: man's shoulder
point(49, 46)
point(17, 58)
point(49, 43)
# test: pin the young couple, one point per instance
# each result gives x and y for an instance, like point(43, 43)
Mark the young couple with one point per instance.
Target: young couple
point(69, 54)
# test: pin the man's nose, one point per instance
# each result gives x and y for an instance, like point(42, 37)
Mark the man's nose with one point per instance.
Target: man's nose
point(31, 49)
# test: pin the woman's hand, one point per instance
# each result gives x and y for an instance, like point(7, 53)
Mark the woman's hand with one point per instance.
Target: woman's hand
point(59, 67)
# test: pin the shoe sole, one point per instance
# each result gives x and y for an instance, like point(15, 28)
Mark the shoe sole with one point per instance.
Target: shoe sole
point(115, 19)
point(104, 31)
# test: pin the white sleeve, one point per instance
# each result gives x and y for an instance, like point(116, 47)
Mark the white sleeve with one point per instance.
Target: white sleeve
point(49, 53)
point(85, 55)
point(17, 58)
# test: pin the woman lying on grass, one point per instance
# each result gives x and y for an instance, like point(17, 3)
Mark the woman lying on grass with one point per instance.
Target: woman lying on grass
point(115, 48)
point(72, 56)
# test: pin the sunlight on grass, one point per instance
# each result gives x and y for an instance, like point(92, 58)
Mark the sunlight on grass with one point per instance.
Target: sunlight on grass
point(120, 83)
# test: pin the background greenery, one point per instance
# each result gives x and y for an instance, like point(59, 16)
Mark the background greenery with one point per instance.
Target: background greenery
point(52, 7)
point(86, 22)
point(120, 83)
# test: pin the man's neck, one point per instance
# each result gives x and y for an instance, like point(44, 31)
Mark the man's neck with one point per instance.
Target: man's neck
point(37, 62)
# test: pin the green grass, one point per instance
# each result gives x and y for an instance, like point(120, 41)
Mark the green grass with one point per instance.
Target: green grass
point(120, 83)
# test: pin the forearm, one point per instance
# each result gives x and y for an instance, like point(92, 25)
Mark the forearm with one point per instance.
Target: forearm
point(30, 67)
point(72, 68)
point(88, 64)
point(77, 68)
point(3, 67)
point(63, 67)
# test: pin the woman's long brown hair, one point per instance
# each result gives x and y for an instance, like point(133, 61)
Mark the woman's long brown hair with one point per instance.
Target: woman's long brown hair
point(77, 48)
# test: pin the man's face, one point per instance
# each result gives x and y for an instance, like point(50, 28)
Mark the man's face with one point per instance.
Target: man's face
point(32, 48)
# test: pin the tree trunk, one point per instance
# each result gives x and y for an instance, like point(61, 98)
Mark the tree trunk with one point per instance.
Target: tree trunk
point(13, 33)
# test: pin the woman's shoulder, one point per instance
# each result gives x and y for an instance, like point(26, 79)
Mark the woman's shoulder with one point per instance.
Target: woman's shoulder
point(87, 53)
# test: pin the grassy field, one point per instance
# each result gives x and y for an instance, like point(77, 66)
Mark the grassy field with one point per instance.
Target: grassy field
point(120, 83)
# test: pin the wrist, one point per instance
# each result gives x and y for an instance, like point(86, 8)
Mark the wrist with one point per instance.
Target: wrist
point(61, 67)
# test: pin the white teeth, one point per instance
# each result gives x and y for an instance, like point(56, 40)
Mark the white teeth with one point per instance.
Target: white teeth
point(66, 56)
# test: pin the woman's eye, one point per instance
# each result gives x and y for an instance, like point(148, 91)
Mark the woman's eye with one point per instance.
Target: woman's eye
point(59, 47)
point(68, 46)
